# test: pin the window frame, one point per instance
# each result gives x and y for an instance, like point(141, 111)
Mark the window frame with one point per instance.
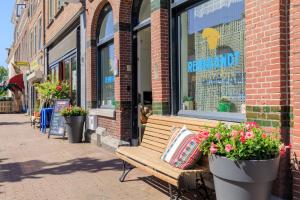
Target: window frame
point(177, 8)
point(101, 44)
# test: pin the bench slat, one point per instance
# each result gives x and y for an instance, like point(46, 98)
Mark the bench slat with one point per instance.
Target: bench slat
point(147, 141)
point(162, 132)
point(158, 135)
point(149, 170)
point(164, 142)
point(160, 127)
point(185, 120)
point(154, 148)
point(178, 125)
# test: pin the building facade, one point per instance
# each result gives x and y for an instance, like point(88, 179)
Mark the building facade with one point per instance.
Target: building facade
point(195, 59)
point(63, 45)
point(232, 61)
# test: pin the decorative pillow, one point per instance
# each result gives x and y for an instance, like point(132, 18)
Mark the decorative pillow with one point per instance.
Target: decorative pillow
point(183, 149)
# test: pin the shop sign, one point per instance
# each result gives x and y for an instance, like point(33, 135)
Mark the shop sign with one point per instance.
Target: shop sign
point(22, 63)
point(109, 79)
point(216, 62)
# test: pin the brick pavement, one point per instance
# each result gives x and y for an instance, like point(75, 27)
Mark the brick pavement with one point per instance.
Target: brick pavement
point(35, 168)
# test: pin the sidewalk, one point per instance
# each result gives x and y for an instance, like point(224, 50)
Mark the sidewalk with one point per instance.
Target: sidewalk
point(33, 167)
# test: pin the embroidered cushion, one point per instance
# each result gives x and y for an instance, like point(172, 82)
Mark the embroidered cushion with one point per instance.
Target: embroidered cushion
point(182, 150)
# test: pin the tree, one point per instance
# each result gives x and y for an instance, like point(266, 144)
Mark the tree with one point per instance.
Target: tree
point(3, 74)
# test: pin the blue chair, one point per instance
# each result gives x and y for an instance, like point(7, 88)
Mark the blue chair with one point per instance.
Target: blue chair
point(45, 118)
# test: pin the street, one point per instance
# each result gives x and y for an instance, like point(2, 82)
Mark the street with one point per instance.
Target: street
point(33, 167)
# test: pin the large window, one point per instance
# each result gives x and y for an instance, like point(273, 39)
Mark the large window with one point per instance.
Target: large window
point(66, 70)
point(211, 57)
point(106, 52)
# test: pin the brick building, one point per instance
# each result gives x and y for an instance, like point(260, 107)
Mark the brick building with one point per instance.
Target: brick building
point(64, 57)
point(183, 57)
point(26, 53)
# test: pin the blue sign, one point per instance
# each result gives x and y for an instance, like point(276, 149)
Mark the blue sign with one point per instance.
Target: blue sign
point(216, 62)
point(109, 79)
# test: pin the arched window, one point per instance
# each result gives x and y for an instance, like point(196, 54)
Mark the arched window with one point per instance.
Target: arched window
point(145, 10)
point(106, 55)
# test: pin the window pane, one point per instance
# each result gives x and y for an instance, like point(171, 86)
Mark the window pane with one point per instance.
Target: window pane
point(67, 71)
point(107, 26)
point(145, 10)
point(212, 69)
point(107, 76)
point(74, 80)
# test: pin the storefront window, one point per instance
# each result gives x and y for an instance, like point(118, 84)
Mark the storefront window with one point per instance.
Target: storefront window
point(74, 80)
point(107, 25)
point(211, 45)
point(106, 50)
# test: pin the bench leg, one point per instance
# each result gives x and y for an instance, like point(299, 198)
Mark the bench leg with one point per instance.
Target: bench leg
point(202, 189)
point(178, 192)
point(125, 172)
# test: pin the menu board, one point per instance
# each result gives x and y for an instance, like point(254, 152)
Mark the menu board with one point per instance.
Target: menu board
point(57, 123)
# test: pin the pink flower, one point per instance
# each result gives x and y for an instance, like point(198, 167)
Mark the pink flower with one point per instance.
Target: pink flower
point(228, 148)
point(243, 139)
point(234, 133)
point(59, 88)
point(249, 135)
point(205, 135)
point(283, 149)
point(251, 125)
point(218, 136)
point(213, 148)
point(242, 133)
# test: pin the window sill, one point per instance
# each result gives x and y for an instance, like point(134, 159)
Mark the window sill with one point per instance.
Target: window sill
point(220, 116)
point(59, 12)
point(50, 23)
point(104, 112)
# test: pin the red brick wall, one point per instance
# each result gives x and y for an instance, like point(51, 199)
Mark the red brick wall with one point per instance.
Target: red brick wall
point(160, 60)
point(267, 74)
point(122, 43)
point(295, 90)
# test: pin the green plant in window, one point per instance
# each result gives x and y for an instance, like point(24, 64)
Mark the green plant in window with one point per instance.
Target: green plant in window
point(188, 103)
point(225, 105)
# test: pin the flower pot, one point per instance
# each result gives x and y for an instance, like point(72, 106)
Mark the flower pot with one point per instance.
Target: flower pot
point(225, 107)
point(189, 105)
point(247, 180)
point(74, 126)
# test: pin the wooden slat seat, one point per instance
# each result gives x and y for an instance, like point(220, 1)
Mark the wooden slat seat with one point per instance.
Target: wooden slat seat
point(147, 156)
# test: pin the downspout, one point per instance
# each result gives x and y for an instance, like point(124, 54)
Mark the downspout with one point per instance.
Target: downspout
point(44, 40)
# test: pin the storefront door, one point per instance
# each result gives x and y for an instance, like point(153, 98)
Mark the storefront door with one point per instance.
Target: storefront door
point(142, 84)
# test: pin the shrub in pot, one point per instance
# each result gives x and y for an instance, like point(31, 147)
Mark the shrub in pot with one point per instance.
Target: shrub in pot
point(243, 159)
point(75, 118)
point(49, 90)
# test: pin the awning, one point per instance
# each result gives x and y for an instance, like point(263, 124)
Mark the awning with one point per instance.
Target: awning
point(18, 81)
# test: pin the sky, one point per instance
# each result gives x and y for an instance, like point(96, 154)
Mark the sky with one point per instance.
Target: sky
point(6, 30)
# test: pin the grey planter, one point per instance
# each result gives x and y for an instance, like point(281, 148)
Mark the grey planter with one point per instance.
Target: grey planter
point(74, 126)
point(246, 180)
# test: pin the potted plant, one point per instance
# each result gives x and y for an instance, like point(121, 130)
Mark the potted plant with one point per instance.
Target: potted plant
point(49, 90)
point(188, 103)
point(243, 159)
point(225, 105)
point(75, 118)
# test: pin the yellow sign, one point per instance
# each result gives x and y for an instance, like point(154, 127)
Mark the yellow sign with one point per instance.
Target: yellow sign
point(22, 63)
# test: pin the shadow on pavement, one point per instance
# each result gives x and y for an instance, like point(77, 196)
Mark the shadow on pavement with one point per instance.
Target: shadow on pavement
point(13, 123)
point(34, 169)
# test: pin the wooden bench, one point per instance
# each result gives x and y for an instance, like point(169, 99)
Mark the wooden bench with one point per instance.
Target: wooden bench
point(147, 155)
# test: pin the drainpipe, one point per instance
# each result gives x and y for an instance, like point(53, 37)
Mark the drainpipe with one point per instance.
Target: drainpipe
point(83, 55)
